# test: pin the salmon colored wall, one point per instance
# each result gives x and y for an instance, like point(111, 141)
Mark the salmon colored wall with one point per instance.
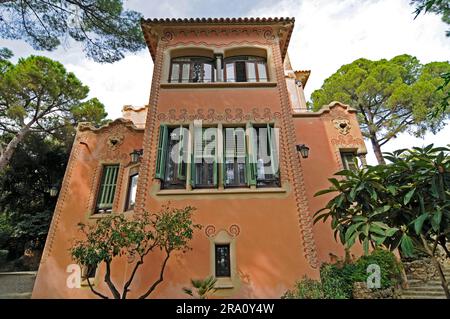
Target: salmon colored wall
point(274, 239)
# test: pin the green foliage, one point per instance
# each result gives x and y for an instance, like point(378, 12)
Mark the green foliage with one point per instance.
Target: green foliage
point(104, 28)
point(398, 205)
point(391, 96)
point(38, 95)
point(91, 111)
point(115, 235)
point(5, 54)
point(37, 164)
point(389, 266)
point(305, 289)
point(337, 281)
point(201, 288)
point(6, 229)
point(434, 6)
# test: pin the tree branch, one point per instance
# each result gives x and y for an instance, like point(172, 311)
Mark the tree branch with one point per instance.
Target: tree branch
point(160, 279)
point(94, 291)
point(108, 281)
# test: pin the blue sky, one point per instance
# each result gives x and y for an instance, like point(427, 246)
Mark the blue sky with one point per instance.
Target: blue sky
point(327, 34)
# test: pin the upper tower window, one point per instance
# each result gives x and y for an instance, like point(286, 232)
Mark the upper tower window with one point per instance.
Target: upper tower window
point(192, 69)
point(245, 69)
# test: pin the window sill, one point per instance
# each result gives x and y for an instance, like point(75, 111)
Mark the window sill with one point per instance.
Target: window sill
point(216, 191)
point(224, 283)
point(213, 85)
point(84, 282)
point(96, 216)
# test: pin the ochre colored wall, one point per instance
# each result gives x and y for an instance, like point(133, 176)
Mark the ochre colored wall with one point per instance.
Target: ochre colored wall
point(274, 240)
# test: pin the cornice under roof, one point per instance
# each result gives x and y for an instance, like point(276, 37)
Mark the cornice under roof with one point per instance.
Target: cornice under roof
point(150, 27)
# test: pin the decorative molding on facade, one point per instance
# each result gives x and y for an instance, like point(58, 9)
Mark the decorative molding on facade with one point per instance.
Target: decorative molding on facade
point(235, 115)
point(342, 125)
point(333, 110)
point(65, 191)
point(302, 76)
point(291, 160)
point(233, 231)
point(210, 231)
point(348, 142)
point(114, 141)
point(149, 159)
point(165, 31)
point(87, 126)
point(218, 44)
point(133, 108)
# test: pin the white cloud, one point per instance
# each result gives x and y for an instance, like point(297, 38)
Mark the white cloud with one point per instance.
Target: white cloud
point(330, 33)
point(125, 82)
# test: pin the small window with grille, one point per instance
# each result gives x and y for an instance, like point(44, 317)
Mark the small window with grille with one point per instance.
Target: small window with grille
point(222, 260)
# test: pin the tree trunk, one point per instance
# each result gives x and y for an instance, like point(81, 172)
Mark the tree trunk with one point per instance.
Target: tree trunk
point(377, 150)
point(11, 147)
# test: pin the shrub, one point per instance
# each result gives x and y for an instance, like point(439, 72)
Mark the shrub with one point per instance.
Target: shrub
point(389, 266)
point(305, 289)
point(5, 230)
point(337, 282)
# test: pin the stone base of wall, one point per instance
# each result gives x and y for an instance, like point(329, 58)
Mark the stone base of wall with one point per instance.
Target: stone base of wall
point(360, 291)
point(16, 285)
point(420, 269)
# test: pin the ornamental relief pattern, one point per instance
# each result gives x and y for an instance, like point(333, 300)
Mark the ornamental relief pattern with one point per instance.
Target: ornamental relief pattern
point(234, 230)
point(342, 125)
point(347, 141)
point(263, 33)
point(236, 115)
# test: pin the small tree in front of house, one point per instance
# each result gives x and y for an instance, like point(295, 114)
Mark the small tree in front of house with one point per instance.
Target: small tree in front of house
point(169, 231)
point(405, 204)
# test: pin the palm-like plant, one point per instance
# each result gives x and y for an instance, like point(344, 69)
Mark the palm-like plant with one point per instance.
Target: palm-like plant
point(201, 288)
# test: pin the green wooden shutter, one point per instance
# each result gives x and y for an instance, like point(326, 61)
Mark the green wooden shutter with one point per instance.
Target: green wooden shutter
point(215, 168)
point(229, 150)
point(181, 155)
point(273, 149)
point(224, 172)
point(241, 150)
point(162, 150)
point(252, 158)
point(197, 152)
point(192, 181)
point(107, 188)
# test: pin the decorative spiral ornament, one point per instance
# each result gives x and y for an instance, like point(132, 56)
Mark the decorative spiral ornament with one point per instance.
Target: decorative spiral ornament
point(234, 230)
point(210, 230)
point(268, 35)
point(168, 36)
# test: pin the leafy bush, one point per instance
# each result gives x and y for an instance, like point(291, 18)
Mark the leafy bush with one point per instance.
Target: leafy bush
point(389, 266)
point(5, 229)
point(305, 289)
point(337, 282)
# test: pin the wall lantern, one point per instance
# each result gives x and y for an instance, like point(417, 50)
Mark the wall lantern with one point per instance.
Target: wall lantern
point(136, 156)
point(53, 191)
point(303, 149)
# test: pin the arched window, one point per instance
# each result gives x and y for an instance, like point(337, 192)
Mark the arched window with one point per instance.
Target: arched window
point(245, 69)
point(192, 69)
